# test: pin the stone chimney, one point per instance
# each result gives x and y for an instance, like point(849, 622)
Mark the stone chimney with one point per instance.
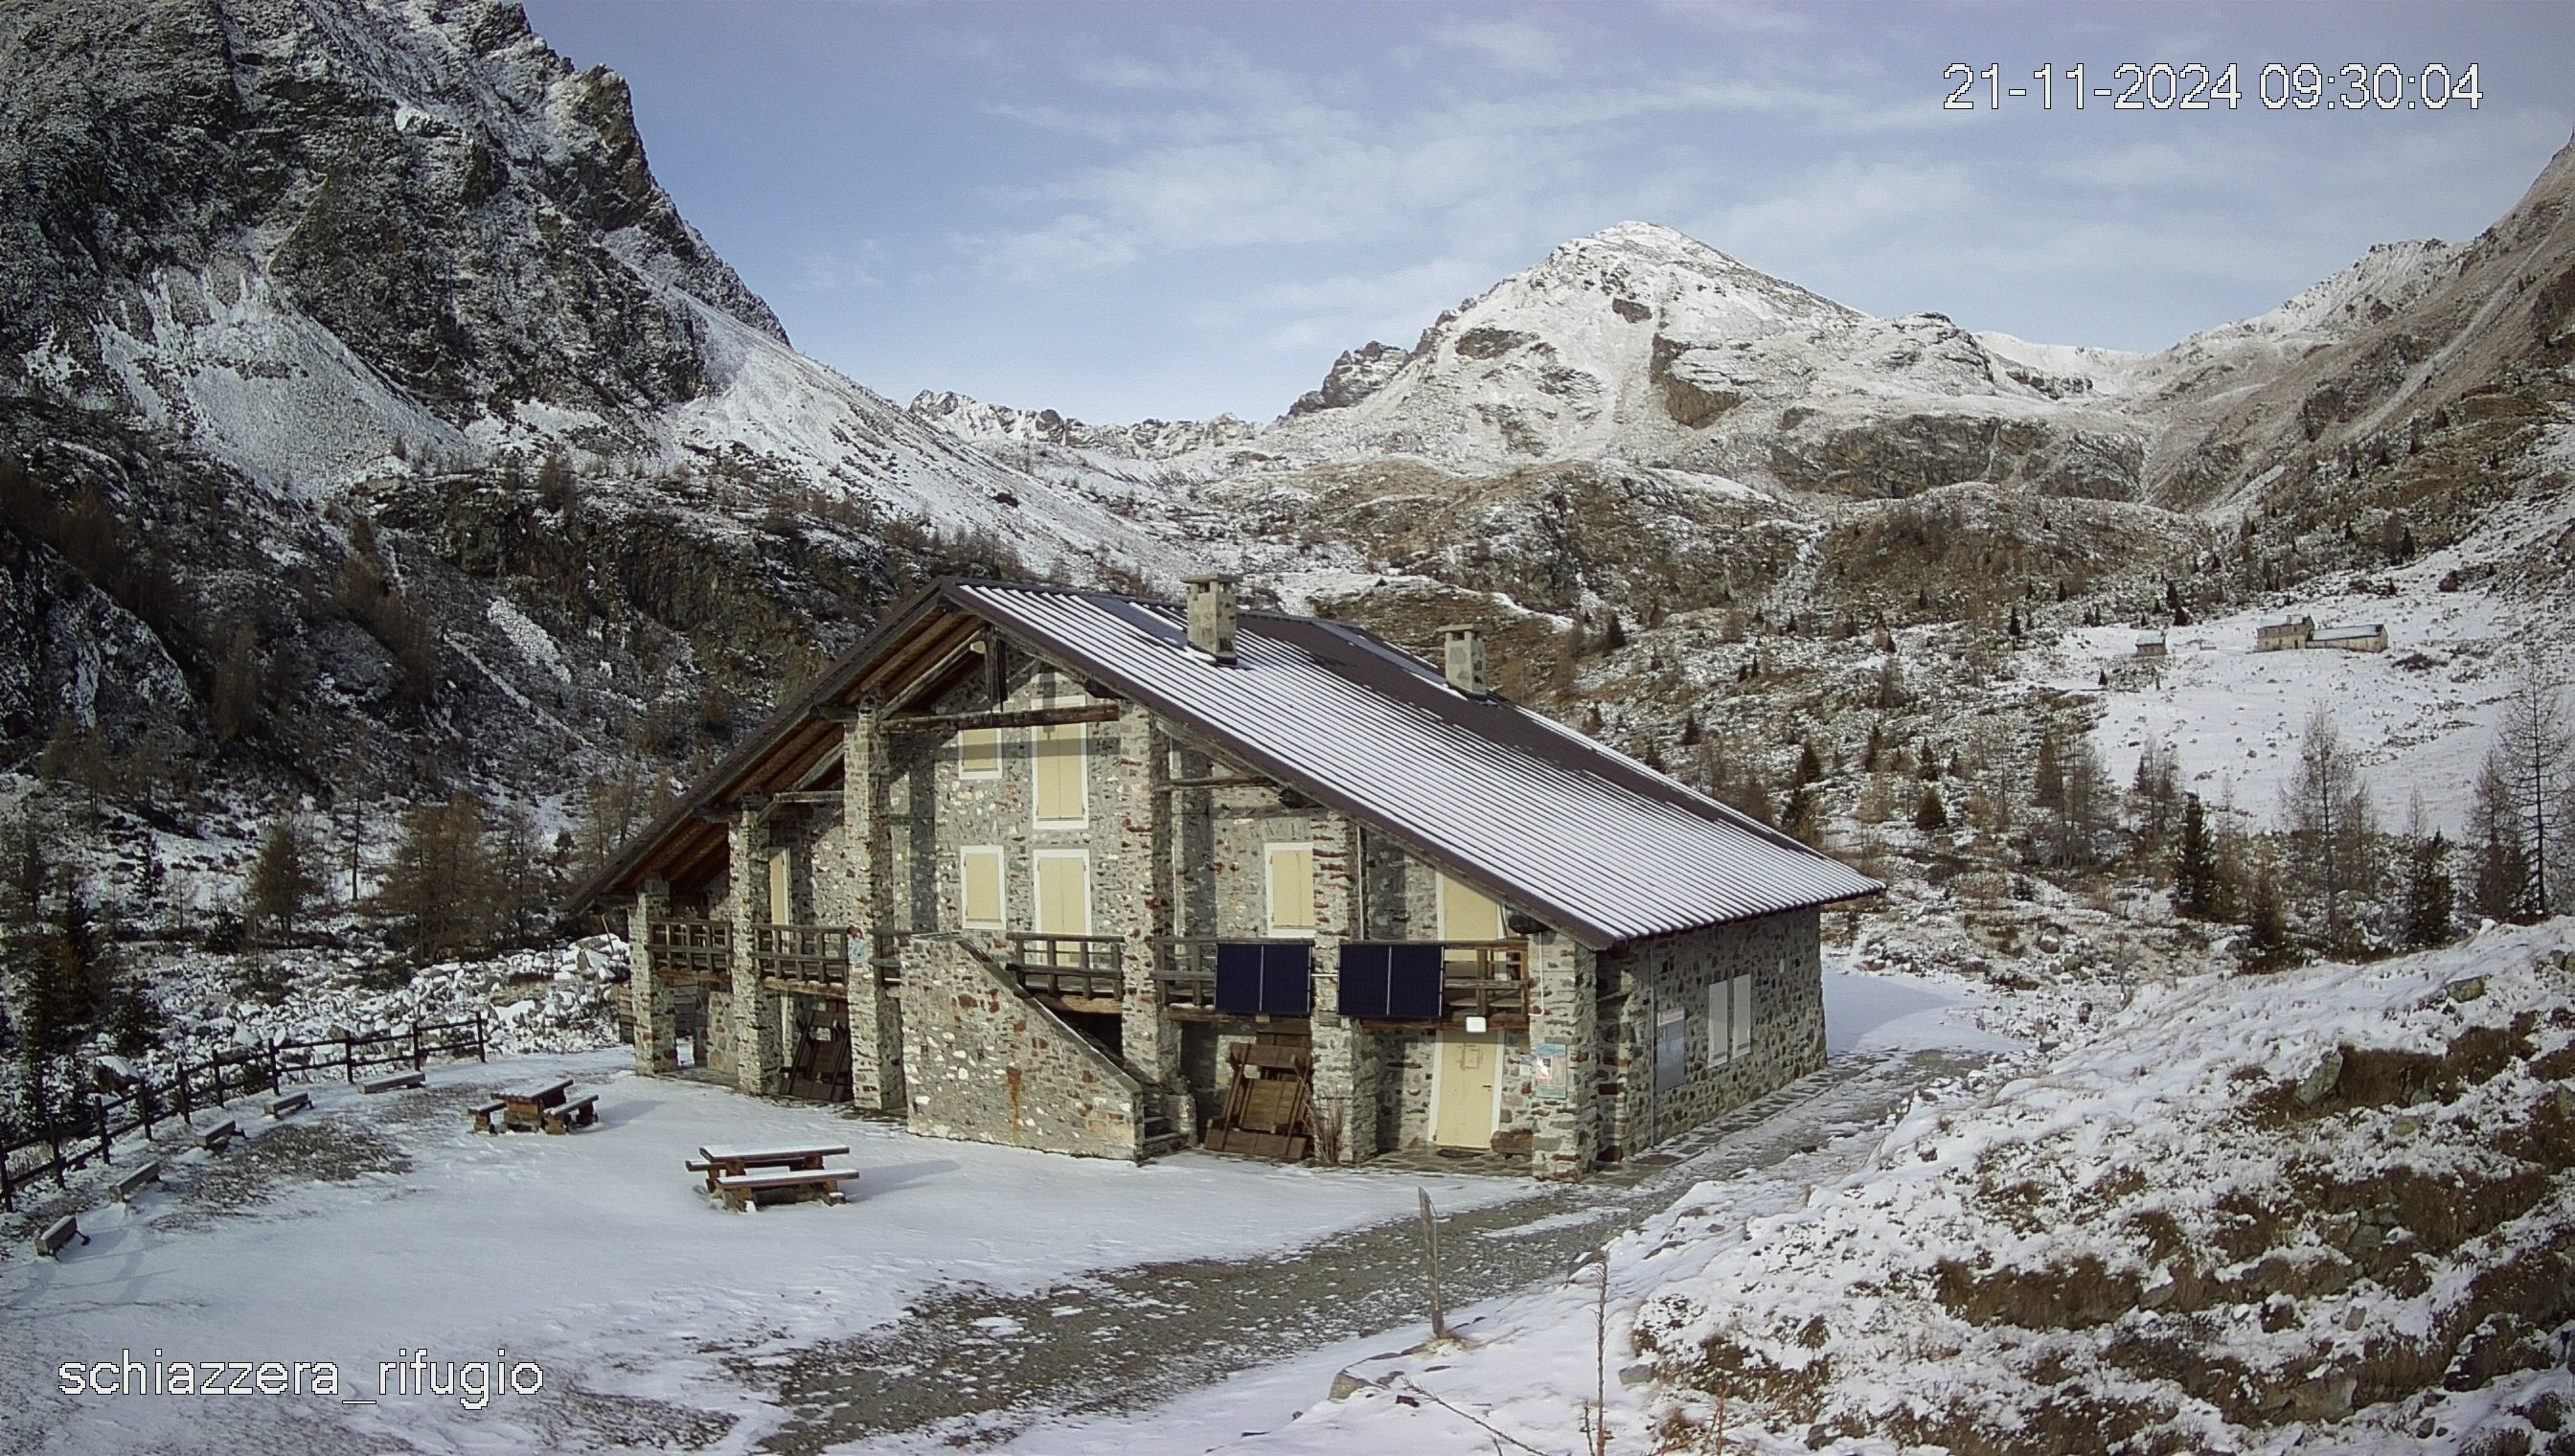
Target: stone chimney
point(1462, 654)
point(1212, 607)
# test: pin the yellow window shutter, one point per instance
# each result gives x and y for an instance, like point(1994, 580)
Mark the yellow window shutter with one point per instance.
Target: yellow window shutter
point(1292, 890)
point(1058, 750)
point(979, 752)
point(980, 878)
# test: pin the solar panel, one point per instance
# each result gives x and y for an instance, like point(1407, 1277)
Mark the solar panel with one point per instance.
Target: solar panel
point(1393, 982)
point(1264, 978)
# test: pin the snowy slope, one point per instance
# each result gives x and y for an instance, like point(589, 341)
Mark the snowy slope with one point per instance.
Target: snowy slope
point(2327, 1211)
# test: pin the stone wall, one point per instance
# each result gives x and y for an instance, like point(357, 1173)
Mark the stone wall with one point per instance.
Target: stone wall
point(985, 1063)
point(1782, 953)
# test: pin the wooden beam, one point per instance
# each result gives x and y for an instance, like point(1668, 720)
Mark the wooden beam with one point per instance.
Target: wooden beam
point(1222, 780)
point(841, 712)
point(943, 724)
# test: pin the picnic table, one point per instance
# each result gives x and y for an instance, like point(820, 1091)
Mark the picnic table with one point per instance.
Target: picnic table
point(738, 1163)
point(525, 1110)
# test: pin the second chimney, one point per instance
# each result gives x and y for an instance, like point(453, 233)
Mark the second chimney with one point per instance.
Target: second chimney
point(1211, 608)
point(1462, 654)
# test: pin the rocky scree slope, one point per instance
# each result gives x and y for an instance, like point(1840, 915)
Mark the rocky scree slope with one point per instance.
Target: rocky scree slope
point(296, 299)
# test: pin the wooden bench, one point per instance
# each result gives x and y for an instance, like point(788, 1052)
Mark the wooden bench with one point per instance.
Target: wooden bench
point(719, 1161)
point(57, 1233)
point(289, 1105)
point(214, 1138)
point(579, 1112)
point(394, 1084)
point(742, 1192)
point(484, 1115)
point(138, 1180)
point(526, 1110)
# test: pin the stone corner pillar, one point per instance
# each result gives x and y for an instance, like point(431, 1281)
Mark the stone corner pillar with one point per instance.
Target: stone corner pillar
point(1135, 897)
point(1564, 989)
point(657, 1028)
point(1346, 1056)
point(758, 1034)
point(866, 817)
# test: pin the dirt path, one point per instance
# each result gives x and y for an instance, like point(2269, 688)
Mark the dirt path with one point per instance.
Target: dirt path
point(981, 1365)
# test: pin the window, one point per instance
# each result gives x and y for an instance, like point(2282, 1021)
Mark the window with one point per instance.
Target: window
point(978, 753)
point(1056, 750)
point(1671, 1047)
point(1729, 1019)
point(1064, 892)
point(781, 889)
point(1290, 870)
point(979, 886)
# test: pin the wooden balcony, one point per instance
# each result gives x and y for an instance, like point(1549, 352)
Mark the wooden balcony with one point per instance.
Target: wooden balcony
point(1071, 968)
point(808, 960)
point(686, 951)
point(1487, 978)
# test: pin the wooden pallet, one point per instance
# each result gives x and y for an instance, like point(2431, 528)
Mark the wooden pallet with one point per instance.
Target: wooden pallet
point(1269, 1102)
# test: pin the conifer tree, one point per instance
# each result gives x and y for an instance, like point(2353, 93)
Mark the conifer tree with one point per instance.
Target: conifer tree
point(2428, 891)
point(2196, 864)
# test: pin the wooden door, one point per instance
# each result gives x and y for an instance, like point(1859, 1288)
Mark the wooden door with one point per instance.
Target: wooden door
point(1461, 1113)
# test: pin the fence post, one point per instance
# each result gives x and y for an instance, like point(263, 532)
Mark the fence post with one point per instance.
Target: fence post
point(106, 1153)
point(54, 1145)
point(143, 1099)
point(479, 1054)
point(418, 1059)
point(218, 1070)
point(348, 1056)
point(187, 1105)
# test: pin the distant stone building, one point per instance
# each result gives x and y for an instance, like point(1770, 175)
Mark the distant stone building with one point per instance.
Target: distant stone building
point(2151, 645)
point(1053, 868)
point(2277, 637)
point(2366, 638)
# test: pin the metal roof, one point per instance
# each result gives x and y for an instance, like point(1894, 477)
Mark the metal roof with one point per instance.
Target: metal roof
point(1584, 836)
point(2347, 634)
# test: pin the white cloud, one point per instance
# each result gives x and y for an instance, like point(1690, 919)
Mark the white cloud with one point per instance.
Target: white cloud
point(1510, 45)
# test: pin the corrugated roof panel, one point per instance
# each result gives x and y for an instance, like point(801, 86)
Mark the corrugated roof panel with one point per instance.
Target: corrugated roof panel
point(1558, 821)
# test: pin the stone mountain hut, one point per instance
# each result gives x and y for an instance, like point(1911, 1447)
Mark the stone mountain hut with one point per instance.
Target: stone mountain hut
point(1079, 871)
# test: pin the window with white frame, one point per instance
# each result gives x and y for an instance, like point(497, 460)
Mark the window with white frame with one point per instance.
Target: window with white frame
point(1291, 889)
point(1056, 752)
point(978, 753)
point(1729, 1019)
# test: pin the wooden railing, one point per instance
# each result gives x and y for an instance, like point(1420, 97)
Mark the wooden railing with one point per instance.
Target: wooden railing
point(690, 950)
point(1485, 977)
point(79, 1130)
point(806, 959)
point(1092, 967)
point(1481, 977)
point(1187, 972)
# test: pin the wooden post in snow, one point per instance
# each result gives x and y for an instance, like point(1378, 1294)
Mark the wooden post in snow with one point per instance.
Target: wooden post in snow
point(1430, 1264)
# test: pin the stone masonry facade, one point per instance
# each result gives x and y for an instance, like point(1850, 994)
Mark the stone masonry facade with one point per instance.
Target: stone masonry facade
point(1172, 843)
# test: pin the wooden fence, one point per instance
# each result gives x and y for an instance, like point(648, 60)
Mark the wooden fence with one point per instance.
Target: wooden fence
point(88, 1130)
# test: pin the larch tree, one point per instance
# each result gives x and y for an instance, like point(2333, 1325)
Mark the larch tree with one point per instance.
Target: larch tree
point(2327, 812)
point(2532, 745)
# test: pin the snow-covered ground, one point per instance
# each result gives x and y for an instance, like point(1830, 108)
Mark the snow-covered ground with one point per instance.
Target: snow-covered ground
point(373, 1226)
point(2420, 715)
point(1827, 1279)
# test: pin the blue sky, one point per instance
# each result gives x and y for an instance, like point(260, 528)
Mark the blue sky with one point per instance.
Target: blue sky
point(1172, 210)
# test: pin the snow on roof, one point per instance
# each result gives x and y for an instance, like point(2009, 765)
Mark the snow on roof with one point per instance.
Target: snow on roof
point(2347, 633)
point(1586, 838)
